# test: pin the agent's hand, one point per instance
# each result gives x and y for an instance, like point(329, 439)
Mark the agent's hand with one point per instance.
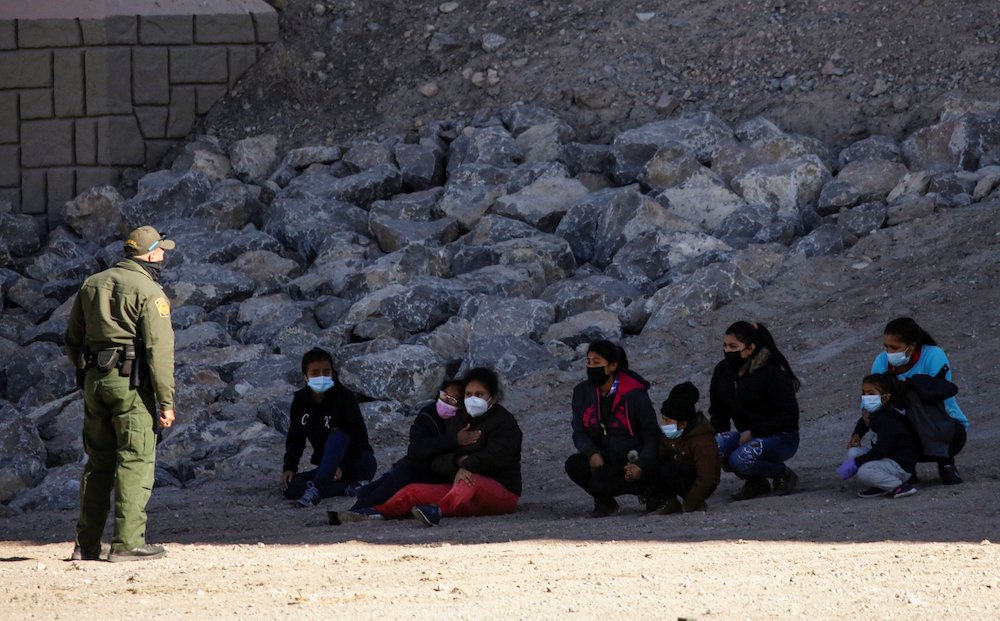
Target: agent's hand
point(632, 472)
point(745, 437)
point(166, 418)
point(855, 441)
point(286, 478)
point(464, 476)
point(468, 436)
point(596, 461)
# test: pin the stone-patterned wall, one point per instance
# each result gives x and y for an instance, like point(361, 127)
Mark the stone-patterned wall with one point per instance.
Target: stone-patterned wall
point(81, 99)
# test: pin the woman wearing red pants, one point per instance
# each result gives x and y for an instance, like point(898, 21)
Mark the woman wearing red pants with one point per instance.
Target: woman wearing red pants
point(486, 475)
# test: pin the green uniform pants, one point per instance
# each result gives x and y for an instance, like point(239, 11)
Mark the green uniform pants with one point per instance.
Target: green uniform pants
point(120, 445)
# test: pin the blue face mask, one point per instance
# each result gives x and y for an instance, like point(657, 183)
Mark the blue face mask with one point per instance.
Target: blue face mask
point(671, 431)
point(897, 358)
point(320, 384)
point(871, 403)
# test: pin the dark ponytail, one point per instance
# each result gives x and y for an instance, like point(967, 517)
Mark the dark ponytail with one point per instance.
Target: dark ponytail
point(611, 352)
point(908, 331)
point(757, 334)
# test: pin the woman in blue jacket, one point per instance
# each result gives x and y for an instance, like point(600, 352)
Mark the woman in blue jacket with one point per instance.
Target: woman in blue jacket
point(910, 350)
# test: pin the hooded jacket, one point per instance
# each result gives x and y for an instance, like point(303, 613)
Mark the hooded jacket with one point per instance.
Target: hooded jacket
point(312, 421)
point(630, 425)
point(896, 439)
point(428, 439)
point(497, 453)
point(696, 448)
point(761, 401)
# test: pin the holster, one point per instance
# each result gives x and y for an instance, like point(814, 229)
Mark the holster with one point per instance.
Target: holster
point(107, 359)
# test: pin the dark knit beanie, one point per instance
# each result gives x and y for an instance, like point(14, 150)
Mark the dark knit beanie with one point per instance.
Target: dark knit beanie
point(679, 404)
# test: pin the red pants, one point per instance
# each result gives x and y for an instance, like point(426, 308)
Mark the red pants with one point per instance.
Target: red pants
point(483, 497)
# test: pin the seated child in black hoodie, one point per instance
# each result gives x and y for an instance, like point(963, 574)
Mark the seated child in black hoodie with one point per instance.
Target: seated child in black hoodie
point(892, 459)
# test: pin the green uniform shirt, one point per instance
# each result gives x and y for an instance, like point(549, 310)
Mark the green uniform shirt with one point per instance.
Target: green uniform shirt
point(121, 306)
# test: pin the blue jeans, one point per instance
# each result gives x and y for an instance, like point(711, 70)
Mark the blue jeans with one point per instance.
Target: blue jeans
point(361, 468)
point(760, 458)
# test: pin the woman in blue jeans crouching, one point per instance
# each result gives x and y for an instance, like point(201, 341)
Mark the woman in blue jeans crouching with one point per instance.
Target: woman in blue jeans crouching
point(754, 389)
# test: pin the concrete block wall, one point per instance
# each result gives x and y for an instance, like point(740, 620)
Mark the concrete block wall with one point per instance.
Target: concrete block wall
point(89, 88)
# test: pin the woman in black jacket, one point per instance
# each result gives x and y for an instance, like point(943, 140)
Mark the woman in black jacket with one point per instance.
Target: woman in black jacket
point(754, 388)
point(483, 477)
point(327, 415)
point(428, 439)
point(614, 429)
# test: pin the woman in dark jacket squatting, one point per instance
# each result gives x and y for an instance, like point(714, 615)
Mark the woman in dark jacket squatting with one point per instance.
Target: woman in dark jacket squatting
point(614, 430)
point(754, 387)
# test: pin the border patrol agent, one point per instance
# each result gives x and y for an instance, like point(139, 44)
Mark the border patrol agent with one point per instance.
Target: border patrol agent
point(121, 340)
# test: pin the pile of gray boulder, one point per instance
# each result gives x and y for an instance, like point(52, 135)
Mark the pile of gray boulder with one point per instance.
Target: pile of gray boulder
point(494, 240)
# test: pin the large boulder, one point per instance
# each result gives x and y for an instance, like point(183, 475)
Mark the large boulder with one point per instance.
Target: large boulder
point(543, 203)
point(871, 148)
point(708, 289)
point(207, 285)
point(416, 206)
point(268, 270)
point(423, 304)
point(399, 267)
point(58, 491)
point(408, 374)
point(253, 158)
point(837, 195)
point(735, 159)
point(586, 327)
point(624, 216)
point(907, 208)
point(825, 240)
point(361, 189)
point(741, 227)
point(523, 280)
point(62, 259)
point(94, 214)
point(198, 245)
point(449, 341)
point(544, 142)
point(669, 167)
point(484, 145)
point(61, 433)
point(551, 252)
point(262, 318)
point(393, 234)
point(513, 357)
point(493, 229)
point(422, 166)
point(366, 154)
point(591, 293)
point(645, 261)
point(520, 117)
point(303, 224)
point(873, 178)
point(230, 205)
point(467, 204)
point(789, 188)
point(704, 199)
point(22, 455)
point(299, 159)
point(703, 134)
point(496, 316)
point(21, 233)
point(163, 197)
point(955, 144)
point(862, 220)
point(587, 158)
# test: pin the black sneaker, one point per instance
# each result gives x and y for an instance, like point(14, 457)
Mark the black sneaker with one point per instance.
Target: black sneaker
point(429, 515)
point(604, 508)
point(147, 552)
point(949, 475)
point(671, 506)
point(903, 491)
point(785, 485)
point(80, 555)
point(752, 488)
point(336, 518)
point(874, 492)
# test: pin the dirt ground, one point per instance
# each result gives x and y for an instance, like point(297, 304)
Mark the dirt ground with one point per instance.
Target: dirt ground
point(236, 548)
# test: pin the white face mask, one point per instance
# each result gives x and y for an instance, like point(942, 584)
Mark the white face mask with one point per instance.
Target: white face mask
point(871, 403)
point(897, 358)
point(476, 406)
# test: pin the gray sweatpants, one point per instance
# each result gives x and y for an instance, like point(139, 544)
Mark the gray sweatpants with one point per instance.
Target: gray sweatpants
point(882, 473)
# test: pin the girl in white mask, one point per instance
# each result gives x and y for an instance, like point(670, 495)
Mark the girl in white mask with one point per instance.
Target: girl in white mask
point(910, 350)
point(485, 476)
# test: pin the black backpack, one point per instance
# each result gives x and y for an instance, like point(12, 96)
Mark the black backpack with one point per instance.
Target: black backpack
point(925, 395)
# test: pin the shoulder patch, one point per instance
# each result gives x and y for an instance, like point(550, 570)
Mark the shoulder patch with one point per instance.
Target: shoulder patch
point(162, 306)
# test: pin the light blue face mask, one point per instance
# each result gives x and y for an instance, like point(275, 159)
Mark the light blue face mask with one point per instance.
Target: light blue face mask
point(320, 384)
point(671, 431)
point(897, 358)
point(871, 403)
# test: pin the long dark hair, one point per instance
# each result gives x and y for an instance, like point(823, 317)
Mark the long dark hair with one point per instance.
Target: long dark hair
point(612, 352)
point(887, 384)
point(318, 355)
point(908, 331)
point(488, 378)
point(757, 334)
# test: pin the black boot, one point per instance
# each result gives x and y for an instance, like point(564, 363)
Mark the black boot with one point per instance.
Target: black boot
point(603, 507)
point(753, 488)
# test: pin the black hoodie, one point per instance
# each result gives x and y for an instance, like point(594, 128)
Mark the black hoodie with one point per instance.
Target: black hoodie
point(630, 425)
point(761, 401)
point(896, 439)
point(309, 420)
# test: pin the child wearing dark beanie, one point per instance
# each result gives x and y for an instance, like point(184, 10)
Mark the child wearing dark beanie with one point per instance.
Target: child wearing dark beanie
point(688, 458)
